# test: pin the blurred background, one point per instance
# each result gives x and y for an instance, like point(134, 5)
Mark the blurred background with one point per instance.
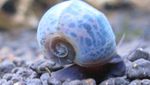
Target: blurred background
point(130, 20)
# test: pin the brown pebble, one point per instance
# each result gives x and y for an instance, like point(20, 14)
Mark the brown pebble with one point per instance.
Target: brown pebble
point(89, 82)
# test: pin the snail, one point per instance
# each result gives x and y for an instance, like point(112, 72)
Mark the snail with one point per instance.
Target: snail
point(74, 32)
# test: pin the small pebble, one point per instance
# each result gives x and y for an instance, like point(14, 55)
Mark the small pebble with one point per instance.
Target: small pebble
point(33, 82)
point(140, 82)
point(138, 54)
point(139, 69)
point(145, 82)
point(16, 69)
point(115, 81)
point(19, 62)
point(75, 82)
point(2, 81)
point(16, 78)
point(135, 82)
point(44, 78)
point(8, 76)
point(89, 82)
point(9, 83)
point(53, 81)
point(20, 83)
point(6, 67)
point(80, 82)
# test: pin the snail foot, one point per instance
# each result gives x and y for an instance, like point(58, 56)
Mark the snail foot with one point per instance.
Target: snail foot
point(116, 67)
point(75, 72)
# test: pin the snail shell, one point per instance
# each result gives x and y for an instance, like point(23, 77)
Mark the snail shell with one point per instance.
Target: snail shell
point(75, 32)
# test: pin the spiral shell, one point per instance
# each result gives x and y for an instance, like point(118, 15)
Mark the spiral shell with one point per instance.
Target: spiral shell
point(75, 32)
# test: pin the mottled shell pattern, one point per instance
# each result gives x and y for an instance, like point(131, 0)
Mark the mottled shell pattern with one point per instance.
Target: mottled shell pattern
point(75, 32)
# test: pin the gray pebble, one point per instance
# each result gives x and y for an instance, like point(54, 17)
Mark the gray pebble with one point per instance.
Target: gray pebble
point(16, 78)
point(6, 67)
point(80, 82)
point(139, 69)
point(140, 82)
point(20, 83)
point(33, 82)
point(53, 81)
point(8, 76)
point(115, 81)
point(19, 62)
point(138, 54)
point(75, 82)
point(26, 73)
point(135, 82)
point(9, 83)
point(44, 78)
point(12, 77)
point(16, 69)
point(2, 81)
point(145, 82)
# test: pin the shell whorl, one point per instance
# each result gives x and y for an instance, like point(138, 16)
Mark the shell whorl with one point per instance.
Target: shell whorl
point(60, 49)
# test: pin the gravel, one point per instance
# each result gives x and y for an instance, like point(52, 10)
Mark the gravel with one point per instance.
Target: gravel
point(23, 66)
point(39, 72)
point(6, 67)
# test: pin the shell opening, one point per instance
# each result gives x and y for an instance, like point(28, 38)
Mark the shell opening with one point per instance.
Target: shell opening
point(60, 49)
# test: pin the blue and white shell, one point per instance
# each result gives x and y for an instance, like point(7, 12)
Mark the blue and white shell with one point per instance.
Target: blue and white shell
point(78, 33)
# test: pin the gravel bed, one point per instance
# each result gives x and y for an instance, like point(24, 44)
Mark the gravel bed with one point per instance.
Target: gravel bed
point(17, 71)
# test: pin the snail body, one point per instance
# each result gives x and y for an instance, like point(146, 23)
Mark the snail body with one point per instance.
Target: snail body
point(75, 32)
